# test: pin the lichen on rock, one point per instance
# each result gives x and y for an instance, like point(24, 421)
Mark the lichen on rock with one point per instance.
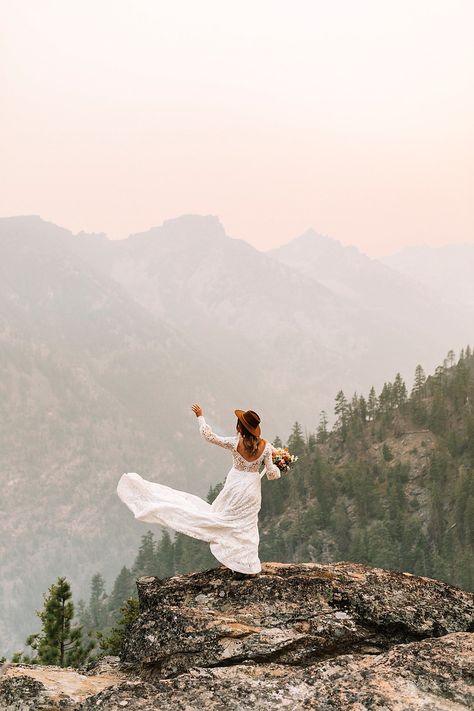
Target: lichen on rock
point(289, 614)
point(333, 637)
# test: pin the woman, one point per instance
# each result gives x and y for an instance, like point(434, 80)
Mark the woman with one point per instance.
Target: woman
point(230, 523)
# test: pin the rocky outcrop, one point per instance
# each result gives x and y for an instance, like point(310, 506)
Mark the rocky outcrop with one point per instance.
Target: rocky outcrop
point(298, 636)
point(432, 675)
point(290, 614)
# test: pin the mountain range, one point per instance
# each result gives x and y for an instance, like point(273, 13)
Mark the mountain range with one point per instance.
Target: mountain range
point(105, 344)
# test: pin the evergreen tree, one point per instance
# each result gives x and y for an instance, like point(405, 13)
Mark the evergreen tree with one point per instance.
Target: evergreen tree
point(322, 431)
point(98, 602)
point(342, 412)
point(418, 406)
point(399, 391)
point(165, 554)
point(372, 405)
point(296, 441)
point(385, 398)
point(124, 588)
point(419, 382)
point(312, 442)
point(59, 642)
point(145, 562)
point(112, 643)
point(362, 408)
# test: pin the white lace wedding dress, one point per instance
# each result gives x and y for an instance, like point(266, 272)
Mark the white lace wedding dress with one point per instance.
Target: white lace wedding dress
point(229, 524)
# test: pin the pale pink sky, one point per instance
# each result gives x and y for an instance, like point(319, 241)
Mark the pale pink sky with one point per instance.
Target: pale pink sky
point(352, 117)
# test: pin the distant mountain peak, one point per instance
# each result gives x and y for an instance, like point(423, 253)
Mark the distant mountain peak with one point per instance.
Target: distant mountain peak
point(311, 234)
point(189, 226)
point(315, 244)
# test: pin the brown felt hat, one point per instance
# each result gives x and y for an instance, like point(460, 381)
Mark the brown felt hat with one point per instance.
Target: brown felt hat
point(250, 420)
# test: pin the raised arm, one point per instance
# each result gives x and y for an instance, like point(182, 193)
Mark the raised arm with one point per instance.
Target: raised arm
point(271, 470)
point(208, 434)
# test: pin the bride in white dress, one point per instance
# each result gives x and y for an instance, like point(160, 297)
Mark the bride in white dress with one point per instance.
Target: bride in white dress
point(230, 523)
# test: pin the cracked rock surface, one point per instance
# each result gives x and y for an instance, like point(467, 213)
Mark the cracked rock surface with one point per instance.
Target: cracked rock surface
point(432, 675)
point(298, 636)
point(290, 614)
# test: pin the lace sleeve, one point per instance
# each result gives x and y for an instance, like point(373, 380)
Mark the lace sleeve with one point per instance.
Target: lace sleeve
point(271, 470)
point(210, 436)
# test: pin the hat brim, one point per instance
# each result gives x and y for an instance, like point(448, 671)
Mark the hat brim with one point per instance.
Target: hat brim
point(254, 430)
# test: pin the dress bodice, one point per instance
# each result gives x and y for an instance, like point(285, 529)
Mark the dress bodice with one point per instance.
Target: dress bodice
point(239, 462)
point(242, 464)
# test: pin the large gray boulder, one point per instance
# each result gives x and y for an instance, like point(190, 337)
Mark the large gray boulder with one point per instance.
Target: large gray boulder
point(431, 675)
point(340, 637)
point(292, 614)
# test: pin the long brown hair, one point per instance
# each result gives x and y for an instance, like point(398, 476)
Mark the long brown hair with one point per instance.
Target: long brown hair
point(251, 442)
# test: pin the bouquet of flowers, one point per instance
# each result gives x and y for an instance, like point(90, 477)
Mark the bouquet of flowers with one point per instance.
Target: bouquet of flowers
point(283, 459)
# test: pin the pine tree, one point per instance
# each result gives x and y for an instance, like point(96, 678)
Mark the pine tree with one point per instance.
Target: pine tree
point(372, 405)
point(322, 431)
point(420, 380)
point(59, 642)
point(418, 406)
point(165, 554)
point(362, 408)
point(124, 588)
point(296, 440)
point(97, 602)
point(399, 391)
point(312, 442)
point(385, 398)
point(145, 562)
point(112, 643)
point(342, 412)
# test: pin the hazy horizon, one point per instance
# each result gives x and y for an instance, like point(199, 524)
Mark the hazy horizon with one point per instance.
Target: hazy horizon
point(351, 119)
point(419, 245)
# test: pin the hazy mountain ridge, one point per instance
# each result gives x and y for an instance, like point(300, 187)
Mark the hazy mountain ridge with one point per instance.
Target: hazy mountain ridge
point(233, 301)
point(375, 284)
point(190, 273)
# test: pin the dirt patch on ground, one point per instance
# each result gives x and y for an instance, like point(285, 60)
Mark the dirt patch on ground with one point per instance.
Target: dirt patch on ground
point(62, 683)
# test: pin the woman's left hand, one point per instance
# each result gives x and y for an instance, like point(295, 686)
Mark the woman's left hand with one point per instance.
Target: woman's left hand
point(197, 409)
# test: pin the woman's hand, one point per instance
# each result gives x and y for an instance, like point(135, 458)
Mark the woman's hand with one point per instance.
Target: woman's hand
point(197, 409)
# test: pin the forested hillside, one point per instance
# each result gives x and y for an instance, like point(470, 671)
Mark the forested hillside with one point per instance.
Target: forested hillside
point(391, 485)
